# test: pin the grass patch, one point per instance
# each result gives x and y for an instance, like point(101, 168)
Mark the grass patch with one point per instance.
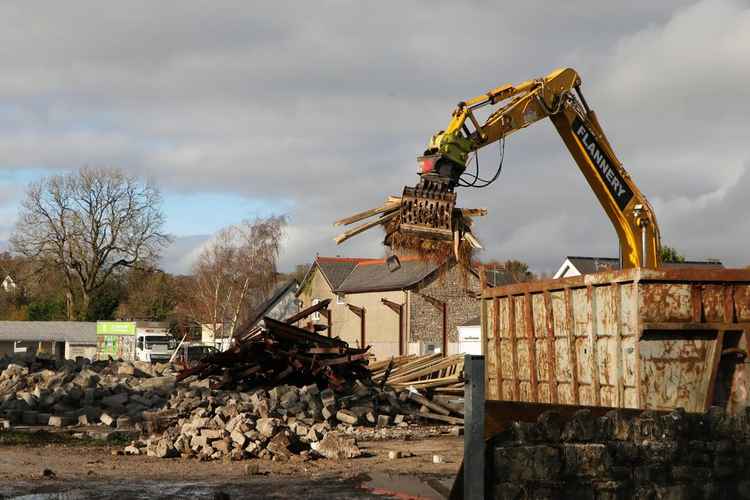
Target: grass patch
point(45, 438)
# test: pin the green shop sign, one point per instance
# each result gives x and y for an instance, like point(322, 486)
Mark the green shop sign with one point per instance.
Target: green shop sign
point(115, 328)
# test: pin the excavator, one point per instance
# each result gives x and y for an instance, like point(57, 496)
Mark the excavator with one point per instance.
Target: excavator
point(557, 96)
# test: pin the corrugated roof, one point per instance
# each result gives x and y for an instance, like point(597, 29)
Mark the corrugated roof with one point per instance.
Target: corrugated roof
point(588, 265)
point(83, 332)
point(373, 275)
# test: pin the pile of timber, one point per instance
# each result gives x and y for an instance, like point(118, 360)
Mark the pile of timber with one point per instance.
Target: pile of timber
point(433, 382)
point(281, 353)
point(462, 245)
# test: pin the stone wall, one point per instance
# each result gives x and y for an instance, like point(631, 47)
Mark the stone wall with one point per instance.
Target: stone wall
point(651, 456)
point(426, 322)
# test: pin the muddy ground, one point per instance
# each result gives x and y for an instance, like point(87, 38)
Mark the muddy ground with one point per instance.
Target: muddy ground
point(90, 470)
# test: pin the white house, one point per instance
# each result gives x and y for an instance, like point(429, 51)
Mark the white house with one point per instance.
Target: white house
point(8, 284)
point(576, 266)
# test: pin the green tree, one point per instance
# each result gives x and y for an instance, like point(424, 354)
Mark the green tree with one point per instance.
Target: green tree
point(509, 270)
point(152, 295)
point(671, 254)
point(47, 310)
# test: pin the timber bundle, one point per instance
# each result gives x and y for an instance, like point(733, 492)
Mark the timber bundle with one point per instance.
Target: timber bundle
point(462, 244)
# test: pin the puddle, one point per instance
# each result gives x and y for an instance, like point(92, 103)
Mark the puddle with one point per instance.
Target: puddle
point(327, 489)
point(403, 486)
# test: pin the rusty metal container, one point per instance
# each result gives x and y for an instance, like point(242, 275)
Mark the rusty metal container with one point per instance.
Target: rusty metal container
point(636, 338)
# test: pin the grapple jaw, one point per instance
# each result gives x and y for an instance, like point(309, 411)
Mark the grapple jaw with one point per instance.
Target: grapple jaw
point(427, 210)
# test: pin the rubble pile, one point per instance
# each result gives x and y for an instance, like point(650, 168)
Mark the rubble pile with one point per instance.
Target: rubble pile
point(39, 391)
point(280, 423)
point(280, 392)
point(281, 353)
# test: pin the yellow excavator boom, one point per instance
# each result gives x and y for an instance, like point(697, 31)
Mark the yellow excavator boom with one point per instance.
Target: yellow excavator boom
point(558, 97)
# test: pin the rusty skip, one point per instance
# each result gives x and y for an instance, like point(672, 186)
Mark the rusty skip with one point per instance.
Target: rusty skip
point(637, 338)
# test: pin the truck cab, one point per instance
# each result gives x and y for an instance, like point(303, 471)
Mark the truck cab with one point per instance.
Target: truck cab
point(154, 347)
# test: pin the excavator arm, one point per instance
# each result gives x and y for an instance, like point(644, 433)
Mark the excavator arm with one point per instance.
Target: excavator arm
point(557, 97)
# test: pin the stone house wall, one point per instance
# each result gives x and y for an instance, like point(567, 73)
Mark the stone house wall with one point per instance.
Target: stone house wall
point(655, 455)
point(457, 287)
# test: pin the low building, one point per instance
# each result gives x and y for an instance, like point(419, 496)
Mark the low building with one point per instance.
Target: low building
point(59, 339)
point(470, 336)
point(576, 266)
point(398, 312)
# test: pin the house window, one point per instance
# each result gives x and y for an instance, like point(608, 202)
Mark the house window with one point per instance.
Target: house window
point(340, 298)
point(316, 315)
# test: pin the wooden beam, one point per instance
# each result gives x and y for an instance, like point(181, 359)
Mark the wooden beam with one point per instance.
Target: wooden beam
point(308, 311)
point(364, 227)
point(398, 309)
point(389, 206)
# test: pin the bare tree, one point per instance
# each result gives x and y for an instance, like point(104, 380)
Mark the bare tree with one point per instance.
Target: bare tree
point(235, 272)
point(90, 224)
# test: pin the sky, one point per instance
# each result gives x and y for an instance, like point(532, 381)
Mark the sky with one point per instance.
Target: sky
point(317, 110)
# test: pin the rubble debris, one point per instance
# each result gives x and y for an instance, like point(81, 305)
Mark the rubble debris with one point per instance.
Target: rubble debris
point(40, 391)
point(282, 353)
point(329, 403)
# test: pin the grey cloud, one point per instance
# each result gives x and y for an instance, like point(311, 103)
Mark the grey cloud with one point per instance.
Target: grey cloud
point(326, 105)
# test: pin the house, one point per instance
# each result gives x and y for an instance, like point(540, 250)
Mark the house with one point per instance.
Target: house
point(576, 266)
point(58, 339)
point(398, 312)
point(8, 284)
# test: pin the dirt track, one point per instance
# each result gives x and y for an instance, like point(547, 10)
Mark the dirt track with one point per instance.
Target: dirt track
point(93, 472)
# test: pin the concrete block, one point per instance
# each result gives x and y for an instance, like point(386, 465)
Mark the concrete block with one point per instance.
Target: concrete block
point(336, 446)
point(239, 438)
point(328, 398)
point(106, 419)
point(55, 421)
point(164, 449)
point(279, 444)
point(124, 422)
point(383, 420)
point(222, 445)
point(267, 426)
point(347, 417)
point(125, 370)
point(212, 434)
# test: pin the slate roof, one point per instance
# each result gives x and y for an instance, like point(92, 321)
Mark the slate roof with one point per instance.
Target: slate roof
point(373, 275)
point(82, 332)
point(336, 269)
point(588, 265)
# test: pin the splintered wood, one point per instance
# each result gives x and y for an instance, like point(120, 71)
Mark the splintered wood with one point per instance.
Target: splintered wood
point(407, 241)
point(432, 381)
point(421, 372)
